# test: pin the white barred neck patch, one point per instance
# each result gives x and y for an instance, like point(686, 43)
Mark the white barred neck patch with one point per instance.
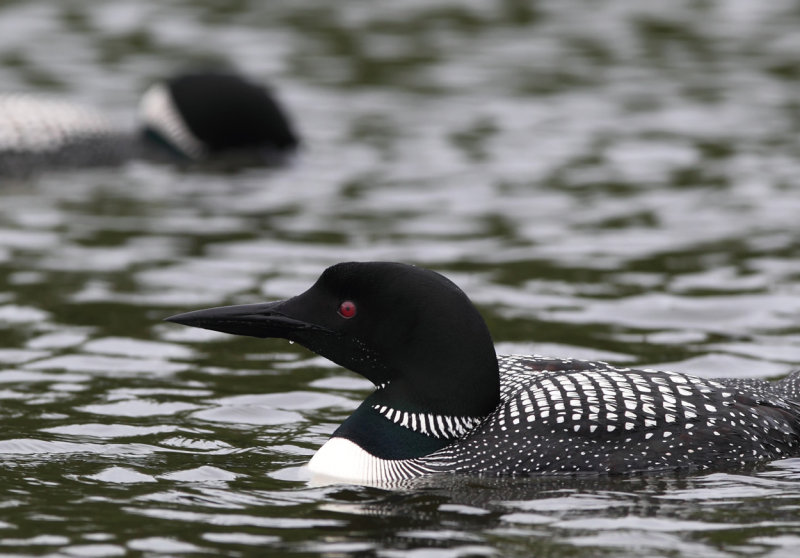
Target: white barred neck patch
point(158, 112)
point(439, 426)
point(341, 459)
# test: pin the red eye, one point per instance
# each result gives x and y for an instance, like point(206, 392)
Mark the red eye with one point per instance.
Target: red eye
point(347, 309)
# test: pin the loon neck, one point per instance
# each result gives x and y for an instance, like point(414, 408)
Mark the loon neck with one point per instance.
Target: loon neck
point(439, 388)
point(382, 437)
point(443, 379)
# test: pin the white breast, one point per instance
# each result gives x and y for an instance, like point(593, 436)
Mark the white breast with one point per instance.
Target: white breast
point(342, 459)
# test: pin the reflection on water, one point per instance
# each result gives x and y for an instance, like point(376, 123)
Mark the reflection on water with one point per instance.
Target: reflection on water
point(612, 181)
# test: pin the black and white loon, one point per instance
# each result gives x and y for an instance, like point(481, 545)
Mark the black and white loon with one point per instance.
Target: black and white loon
point(197, 116)
point(445, 403)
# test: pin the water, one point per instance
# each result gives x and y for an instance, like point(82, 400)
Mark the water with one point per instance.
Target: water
point(605, 180)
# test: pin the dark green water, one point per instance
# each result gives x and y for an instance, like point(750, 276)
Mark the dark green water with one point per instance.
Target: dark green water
point(605, 180)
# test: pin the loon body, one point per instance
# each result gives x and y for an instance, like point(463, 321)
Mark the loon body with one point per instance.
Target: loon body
point(38, 132)
point(444, 402)
point(191, 117)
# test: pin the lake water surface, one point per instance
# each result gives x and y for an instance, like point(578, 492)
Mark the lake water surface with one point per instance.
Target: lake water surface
point(606, 180)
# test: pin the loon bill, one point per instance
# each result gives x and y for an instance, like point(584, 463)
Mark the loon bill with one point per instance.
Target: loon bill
point(444, 402)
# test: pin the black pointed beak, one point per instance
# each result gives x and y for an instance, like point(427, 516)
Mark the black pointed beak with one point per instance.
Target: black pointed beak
point(255, 320)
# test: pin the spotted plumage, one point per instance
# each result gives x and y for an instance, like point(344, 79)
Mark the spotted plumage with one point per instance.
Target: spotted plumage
point(445, 403)
point(37, 131)
point(570, 416)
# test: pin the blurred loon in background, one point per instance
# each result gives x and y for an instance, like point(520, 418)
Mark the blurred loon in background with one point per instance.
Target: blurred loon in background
point(444, 402)
point(204, 116)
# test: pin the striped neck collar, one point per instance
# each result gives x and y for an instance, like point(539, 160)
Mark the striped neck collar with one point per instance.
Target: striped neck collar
point(446, 427)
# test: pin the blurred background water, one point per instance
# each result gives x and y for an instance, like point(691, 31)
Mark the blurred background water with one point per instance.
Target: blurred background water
point(611, 180)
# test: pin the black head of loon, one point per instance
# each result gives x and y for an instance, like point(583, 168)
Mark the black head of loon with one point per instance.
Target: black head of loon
point(199, 115)
point(445, 403)
point(410, 331)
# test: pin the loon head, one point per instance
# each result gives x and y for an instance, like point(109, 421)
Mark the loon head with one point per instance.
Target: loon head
point(410, 331)
point(203, 114)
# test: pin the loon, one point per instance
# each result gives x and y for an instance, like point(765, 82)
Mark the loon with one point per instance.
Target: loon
point(205, 114)
point(444, 402)
point(195, 116)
